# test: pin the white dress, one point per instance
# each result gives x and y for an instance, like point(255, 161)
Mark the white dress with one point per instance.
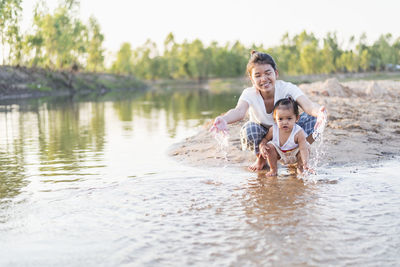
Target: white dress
point(288, 151)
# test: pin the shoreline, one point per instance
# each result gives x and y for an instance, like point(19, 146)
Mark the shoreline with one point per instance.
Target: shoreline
point(363, 126)
point(25, 83)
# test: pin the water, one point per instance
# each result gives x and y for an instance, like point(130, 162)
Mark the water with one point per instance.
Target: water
point(222, 139)
point(89, 183)
point(317, 153)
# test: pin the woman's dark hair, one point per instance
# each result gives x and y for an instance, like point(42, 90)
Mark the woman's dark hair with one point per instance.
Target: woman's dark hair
point(287, 103)
point(259, 58)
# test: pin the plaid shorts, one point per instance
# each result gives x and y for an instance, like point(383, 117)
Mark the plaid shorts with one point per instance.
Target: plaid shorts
point(252, 133)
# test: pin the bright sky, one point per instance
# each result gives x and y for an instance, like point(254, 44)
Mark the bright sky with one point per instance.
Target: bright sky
point(249, 21)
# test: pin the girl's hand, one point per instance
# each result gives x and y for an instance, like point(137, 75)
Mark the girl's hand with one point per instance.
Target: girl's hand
point(264, 149)
point(219, 125)
point(308, 169)
point(321, 118)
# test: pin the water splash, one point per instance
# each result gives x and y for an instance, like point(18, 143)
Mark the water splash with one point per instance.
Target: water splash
point(317, 134)
point(317, 152)
point(222, 139)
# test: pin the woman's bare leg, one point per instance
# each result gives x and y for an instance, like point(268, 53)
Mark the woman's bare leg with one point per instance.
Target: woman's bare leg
point(259, 164)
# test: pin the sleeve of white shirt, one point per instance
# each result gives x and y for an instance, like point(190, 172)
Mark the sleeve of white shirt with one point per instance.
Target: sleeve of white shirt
point(294, 90)
point(245, 96)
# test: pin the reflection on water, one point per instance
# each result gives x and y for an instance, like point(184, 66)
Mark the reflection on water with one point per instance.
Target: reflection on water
point(274, 198)
point(89, 183)
point(61, 139)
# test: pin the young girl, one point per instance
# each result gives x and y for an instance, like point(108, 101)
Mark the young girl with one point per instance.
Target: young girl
point(289, 144)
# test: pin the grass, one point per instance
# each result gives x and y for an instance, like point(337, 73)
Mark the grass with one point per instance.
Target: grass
point(39, 87)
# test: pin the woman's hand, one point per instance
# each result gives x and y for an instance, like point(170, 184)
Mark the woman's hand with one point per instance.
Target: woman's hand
point(321, 118)
point(219, 125)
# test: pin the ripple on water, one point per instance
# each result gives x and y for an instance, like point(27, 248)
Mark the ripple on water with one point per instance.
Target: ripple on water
point(229, 218)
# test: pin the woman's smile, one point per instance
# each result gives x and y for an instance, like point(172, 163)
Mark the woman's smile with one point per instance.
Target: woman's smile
point(263, 77)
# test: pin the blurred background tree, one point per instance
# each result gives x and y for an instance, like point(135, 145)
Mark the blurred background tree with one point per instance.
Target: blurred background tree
point(59, 39)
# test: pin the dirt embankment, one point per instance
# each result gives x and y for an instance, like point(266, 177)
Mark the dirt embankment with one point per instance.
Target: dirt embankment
point(22, 82)
point(363, 126)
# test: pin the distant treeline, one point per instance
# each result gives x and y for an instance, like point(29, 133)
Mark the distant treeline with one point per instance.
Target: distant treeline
point(60, 40)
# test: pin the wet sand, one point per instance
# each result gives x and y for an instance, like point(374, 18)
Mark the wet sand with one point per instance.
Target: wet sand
point(363, 126)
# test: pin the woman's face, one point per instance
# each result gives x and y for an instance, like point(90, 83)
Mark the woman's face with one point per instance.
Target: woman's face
point(263, 77)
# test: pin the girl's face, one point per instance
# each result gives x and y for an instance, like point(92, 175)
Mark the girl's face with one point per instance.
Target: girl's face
point(285, 118)
point(263, 77)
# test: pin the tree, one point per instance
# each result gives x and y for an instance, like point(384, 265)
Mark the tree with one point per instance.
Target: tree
point(59, 39)
point(95, 50)
point(363, 52)
point(10, 12)
point(34, 42)
point(123, 63)
point(348, 62)
point(170, 57)
point(307, 45)
point(383, 53)
point(144, 63)
point(331, 44)
point(199, 60)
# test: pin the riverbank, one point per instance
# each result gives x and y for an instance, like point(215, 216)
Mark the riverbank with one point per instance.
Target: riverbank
point(363, 126)
point(22, 82)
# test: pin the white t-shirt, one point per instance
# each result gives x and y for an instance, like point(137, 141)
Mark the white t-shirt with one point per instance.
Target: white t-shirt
point(257, 111)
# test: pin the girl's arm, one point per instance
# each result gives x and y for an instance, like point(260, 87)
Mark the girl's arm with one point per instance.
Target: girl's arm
point(233, 115)
point(303, 147)
point(263, 144)
point(312, 109)
point(267, 137)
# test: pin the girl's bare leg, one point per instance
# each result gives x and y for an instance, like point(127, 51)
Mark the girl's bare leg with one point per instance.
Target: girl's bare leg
point(299, 164)
point(272, 158)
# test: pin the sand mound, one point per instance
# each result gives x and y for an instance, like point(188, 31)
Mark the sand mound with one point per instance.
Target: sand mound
point(369, 89)
point(331, 87)
point(375, 90)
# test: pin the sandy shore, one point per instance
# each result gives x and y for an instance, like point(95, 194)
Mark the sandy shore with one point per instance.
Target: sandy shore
point(363, 126)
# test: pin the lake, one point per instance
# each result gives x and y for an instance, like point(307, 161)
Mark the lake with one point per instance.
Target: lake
point(88, 182)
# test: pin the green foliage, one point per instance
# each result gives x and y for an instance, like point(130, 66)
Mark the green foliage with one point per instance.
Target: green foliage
point(301, 54)
point(10, 36)
point(57, 40)
point(94, 48)
point(60, 40)
point(123, 63)
point(39, 87)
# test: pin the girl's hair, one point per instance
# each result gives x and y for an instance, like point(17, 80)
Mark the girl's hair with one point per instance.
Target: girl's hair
point(287, 103)
point(259, 58)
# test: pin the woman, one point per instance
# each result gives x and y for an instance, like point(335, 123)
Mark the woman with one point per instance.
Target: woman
point(260, 100)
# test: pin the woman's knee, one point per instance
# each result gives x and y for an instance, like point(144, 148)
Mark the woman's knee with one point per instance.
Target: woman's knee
point(307, 122)
point(253, 132)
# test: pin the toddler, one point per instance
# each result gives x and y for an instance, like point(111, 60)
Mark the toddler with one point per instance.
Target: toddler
point(286, 140)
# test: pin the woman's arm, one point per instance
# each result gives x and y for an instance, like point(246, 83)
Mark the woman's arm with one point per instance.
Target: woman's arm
point(237, 113)
point(233, 115)
point(308, 106)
